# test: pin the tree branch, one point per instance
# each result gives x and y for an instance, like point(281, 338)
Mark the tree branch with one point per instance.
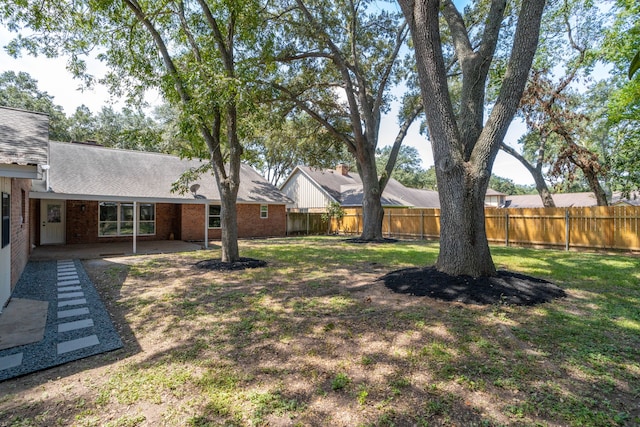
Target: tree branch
point(395, 149)
point(304, 107)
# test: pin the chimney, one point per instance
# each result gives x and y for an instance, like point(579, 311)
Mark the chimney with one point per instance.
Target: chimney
point(342, 169)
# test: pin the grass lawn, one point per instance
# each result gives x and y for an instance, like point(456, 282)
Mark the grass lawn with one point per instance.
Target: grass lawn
point(314, 339)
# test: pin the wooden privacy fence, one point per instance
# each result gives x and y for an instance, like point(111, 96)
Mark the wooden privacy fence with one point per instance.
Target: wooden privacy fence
point(600, 227)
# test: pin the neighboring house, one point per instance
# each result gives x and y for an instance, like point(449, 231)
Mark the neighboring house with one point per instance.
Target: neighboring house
point(23, 153)
point(617, 199)
point(93, 194)
point(494, 199)
point(561, 200)
point(312, 190)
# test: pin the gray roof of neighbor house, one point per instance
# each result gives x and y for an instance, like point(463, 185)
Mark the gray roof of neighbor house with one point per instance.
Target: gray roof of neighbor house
point(617, 198)
point(492, 192)
point(562, 200)
point(23, 137)
point(92, 172)
point(347, 189)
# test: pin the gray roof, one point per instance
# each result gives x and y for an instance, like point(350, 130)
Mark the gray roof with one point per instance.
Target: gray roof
point(562, 200)
point(347, 190)
point(633, 199)
point(90, 172)
point(23, 137)
point(492, 192)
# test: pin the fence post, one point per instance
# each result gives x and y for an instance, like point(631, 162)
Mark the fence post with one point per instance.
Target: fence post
point(567, 219)
point(389, 223)
point(421, 224)
point(307, 223)
point(506, 227)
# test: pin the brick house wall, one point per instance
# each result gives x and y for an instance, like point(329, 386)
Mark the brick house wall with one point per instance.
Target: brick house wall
point(20, 227)
point(249, 222)
point(174, 221)
point(82, 223)
point(192, 222)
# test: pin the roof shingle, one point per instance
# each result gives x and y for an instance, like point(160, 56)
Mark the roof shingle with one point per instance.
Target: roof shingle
point(93, 172)
point(23, 137)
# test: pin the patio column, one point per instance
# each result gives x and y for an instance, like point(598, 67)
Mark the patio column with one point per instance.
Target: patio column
point(206, 225)
point(135, 226)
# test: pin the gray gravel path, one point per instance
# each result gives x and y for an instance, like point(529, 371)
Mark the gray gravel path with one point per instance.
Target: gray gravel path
point(78, 324)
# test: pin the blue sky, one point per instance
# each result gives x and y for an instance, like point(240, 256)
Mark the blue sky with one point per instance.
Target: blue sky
point(53, 78)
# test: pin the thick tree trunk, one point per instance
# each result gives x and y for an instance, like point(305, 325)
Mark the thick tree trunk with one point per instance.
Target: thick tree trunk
point(372, 211)
point(543, 191)
point(229, 222)
point(464, 249)
point(594, 184)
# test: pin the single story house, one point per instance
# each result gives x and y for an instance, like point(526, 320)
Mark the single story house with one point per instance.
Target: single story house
point(568, 200)
point(495, 199)
point(312, 190)
point(23, 154)
point(93, 194)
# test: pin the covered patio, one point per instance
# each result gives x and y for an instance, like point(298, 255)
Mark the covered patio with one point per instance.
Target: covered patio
point(106, 250)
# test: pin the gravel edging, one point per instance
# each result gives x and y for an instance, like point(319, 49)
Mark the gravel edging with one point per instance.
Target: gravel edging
point(39, 282)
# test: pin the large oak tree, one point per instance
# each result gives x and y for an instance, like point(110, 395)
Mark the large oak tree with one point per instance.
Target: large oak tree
point(339, 61)
point(200, 54)
point(465, 138)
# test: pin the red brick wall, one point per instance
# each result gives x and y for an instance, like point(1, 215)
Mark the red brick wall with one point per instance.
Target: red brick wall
point(249, 222)
point(192, 221)
point(184, 222)
point(20, 216)
point(82, 226)
point(251, 225)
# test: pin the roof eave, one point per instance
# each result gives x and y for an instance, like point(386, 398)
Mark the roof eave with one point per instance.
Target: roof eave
point(20, 171)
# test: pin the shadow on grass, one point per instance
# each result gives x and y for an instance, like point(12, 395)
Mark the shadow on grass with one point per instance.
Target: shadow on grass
point(314, 339)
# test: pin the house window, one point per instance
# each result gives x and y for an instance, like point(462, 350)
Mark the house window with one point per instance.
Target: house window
point(116, 219)
point(264, 211)
point(214, 216)
point(6, 218)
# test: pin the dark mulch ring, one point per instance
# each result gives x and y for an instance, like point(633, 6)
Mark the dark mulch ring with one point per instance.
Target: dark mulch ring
point(241, 264)
point(505, 288)
point(359, 240)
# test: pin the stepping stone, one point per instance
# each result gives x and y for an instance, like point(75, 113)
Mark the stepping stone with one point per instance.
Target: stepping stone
point(70, 275)
point(74, 312)
point(71, 295)
point(11, 361)
point(72, 326)
point(68, 282)
point(72, 302)
point(69, 288)
point(77, 344)
point(67, 265)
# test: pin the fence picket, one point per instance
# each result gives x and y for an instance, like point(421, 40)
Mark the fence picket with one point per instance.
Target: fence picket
point(598, 227)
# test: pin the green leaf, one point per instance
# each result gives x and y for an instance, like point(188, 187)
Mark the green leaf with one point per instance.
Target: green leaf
point(635, 65)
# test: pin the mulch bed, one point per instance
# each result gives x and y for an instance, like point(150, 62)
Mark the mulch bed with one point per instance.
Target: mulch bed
point(359, 240)
point(241, 264)
point(505, 288)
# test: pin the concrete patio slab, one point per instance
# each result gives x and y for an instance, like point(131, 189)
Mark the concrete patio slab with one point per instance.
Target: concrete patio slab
point(22, 322)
